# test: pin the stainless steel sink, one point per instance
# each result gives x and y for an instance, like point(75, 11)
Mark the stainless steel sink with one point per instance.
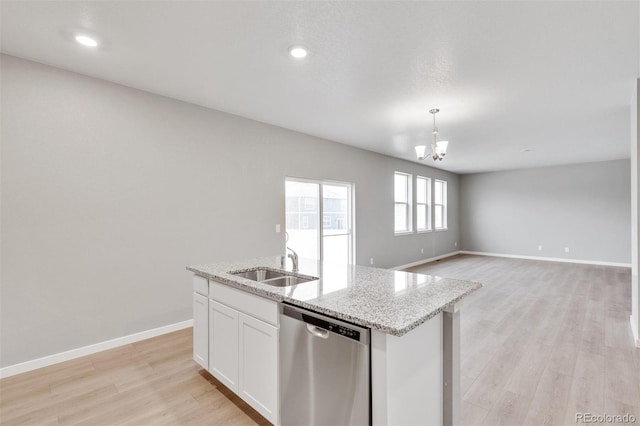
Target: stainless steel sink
point(259, 274)
point(287, 281)
point(274, 278)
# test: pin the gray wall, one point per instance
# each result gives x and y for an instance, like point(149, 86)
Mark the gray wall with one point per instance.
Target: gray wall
point(108, 192)
point(585, 207)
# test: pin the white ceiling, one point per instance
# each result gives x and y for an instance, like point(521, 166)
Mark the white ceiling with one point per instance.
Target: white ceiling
point(553, 77)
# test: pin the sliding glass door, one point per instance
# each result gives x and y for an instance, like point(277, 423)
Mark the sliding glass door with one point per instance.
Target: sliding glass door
point(320, 219)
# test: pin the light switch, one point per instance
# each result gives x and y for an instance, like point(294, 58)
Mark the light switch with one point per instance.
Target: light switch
point(278, 227)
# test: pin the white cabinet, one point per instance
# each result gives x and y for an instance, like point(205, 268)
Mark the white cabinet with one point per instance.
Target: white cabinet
point(258, 380)
point(223, 344)
point(201, 330)
point(243, 346)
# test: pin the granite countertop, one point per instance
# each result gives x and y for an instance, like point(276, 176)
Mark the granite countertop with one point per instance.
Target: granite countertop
point(393, 302)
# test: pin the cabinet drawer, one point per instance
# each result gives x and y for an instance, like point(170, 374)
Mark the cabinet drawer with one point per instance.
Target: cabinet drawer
point(256, 306)
point(200, 285)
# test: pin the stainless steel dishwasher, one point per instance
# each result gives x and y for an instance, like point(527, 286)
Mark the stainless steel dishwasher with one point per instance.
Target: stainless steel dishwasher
point(324, 370)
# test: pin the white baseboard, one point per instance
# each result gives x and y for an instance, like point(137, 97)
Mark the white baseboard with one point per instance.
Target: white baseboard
point(34, 364)
point(548, 259)
point(634, 331)
point(420, 262)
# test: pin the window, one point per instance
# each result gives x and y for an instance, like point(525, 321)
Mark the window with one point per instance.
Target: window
point(402, 198)
point(320, 219)
point(423, 203)
point(440, 204)
point(309, 204)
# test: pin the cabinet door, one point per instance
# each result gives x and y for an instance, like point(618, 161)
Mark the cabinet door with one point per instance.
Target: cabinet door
point(258, 384)
point(223, 344)
point(201, 330)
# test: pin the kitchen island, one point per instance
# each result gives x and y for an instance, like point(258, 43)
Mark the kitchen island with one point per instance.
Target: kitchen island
point(414, 322)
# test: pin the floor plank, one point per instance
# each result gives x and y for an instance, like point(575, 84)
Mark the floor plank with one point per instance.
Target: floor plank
point(549, 402)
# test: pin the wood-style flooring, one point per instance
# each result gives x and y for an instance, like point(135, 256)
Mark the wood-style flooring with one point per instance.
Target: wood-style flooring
point(152, 382)
point(540, 342)
point(543, 341)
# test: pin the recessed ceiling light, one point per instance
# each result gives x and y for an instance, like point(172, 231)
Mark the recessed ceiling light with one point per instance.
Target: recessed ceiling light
point(86, 40)
point(298, 52)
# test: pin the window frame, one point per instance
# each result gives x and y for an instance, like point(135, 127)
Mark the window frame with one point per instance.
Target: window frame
point(428, 203)
point(350, 219)
point(408, 203)
point(444, 203)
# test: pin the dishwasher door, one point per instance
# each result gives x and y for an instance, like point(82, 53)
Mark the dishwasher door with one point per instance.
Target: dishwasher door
point(324, 370)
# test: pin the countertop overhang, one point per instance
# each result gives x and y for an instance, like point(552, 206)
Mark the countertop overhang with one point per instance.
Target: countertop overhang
point(393, 302)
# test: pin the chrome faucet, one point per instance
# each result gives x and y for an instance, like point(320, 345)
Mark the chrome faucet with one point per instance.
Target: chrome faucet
point(294, 259)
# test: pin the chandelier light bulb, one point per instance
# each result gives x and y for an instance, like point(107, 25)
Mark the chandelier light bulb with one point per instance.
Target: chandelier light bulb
point(438, 148)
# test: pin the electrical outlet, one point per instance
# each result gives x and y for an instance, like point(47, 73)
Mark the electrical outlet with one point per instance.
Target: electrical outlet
point(566, 249)
point(371, 261)
point(455, 244)
point(422, 251)
point(277, 227)
point(539, 248)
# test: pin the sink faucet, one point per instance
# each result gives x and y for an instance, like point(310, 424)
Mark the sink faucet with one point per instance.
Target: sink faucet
point(294, 259)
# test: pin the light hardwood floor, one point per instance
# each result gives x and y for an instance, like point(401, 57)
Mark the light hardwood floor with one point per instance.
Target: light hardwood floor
point(543, 341)
point(152, 382)
point(540, 342)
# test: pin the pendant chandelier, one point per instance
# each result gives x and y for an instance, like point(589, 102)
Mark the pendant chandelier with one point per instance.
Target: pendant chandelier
point(438, 148)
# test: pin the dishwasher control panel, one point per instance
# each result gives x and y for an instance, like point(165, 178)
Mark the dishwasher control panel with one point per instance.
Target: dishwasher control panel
point(334, 328)
point(345, 329)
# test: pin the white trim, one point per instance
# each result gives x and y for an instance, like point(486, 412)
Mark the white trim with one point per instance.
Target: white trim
point(34, 364)
point(636, 338)
point(401, 233)
point(548, 259)
point(420, 262)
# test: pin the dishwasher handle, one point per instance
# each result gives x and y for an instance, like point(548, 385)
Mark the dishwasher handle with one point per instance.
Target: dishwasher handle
point(317, 331)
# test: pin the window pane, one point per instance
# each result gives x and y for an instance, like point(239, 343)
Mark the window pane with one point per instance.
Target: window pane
point(303, 218)
point(422, 217)
point(444, 195)
point(438, 194)
point(336, 209)
point(421, 190)
point(401, 218)
point(438, 213)
point(400, 188)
